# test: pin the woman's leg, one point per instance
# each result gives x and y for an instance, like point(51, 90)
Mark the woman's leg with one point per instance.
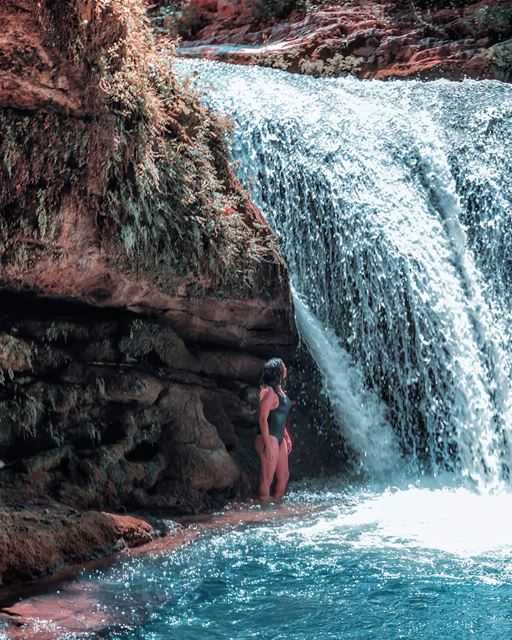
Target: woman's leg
point(282, 472)
point(267, 467)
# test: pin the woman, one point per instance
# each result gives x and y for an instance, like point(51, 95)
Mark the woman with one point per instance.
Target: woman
point(273, 443)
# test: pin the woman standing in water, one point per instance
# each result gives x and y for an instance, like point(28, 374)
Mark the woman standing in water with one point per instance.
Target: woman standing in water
point(273, 443)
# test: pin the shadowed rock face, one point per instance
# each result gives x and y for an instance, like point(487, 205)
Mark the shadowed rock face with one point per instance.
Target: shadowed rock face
point(107, 408)
point(103, 408)
point(369, 39)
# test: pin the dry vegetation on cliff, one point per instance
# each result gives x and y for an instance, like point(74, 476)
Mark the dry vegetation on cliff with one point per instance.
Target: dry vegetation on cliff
point(136, 151)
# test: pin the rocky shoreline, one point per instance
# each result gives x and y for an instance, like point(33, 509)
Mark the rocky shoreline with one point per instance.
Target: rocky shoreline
point(141, 292)
point(49, 539)
point(41, 539)
point(49, 608)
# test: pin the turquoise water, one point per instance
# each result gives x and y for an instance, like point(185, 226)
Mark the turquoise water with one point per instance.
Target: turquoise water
point(387, 564)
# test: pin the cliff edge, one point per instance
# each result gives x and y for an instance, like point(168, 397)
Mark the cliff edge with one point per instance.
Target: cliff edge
point(380, 39)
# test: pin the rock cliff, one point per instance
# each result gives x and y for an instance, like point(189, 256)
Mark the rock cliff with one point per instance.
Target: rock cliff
point(140, 290)
point(367, 38)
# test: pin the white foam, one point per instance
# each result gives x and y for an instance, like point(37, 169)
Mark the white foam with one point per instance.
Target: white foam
point(455, 521)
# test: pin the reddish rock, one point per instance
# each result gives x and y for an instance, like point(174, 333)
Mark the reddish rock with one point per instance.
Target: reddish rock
point(227, 9)
point(378, 38)
point(129, 363)
point(135, 315)
point(39, 612)
point(108, 352)
point(37, 541)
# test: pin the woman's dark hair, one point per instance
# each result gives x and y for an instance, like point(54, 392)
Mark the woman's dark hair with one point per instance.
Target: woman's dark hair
point(273, 374)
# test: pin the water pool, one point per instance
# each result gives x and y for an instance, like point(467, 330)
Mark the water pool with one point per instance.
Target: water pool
point(409, 562)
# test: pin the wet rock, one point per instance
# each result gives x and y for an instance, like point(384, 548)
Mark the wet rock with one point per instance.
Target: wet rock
point(37, 541)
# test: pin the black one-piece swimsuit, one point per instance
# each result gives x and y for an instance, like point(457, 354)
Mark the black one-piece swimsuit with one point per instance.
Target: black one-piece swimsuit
point(277, 418)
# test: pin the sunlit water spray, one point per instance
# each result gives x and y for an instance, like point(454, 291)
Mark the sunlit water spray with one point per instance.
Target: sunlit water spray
point(393, 205)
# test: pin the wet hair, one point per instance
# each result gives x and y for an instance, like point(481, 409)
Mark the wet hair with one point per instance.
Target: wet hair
point(273, 374)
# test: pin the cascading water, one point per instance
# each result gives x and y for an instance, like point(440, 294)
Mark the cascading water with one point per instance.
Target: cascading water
point(393, 203)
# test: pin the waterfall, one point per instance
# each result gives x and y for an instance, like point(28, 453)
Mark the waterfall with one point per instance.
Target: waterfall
point(393, 205)
point(357, 409)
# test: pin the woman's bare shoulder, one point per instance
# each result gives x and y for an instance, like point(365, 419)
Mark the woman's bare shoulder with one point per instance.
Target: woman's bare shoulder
point(268, 400)
point(267, 392)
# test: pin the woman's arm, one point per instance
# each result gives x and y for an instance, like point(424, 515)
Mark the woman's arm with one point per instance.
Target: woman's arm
point(287, 438)
point(267, 403)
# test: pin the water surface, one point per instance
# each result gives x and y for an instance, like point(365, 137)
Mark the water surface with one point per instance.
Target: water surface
point(410, 562)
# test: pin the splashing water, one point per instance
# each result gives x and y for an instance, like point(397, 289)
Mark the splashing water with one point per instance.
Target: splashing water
point(393, 205)
point(360, 411)
point(396, 563)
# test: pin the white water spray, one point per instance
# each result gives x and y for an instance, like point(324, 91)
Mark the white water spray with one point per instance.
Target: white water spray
point(360, 411)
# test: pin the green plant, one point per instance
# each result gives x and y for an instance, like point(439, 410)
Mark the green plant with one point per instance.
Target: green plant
point(56, 333)
point(166, 19)
point(148, 165)
point(15, 355)
point(338, 65)
point(499, 57)
point(100, 385)
point(21, 413)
